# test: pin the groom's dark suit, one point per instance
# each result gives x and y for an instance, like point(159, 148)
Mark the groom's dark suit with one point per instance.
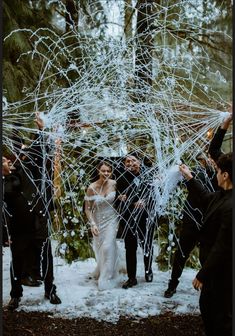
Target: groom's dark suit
point(136, 223)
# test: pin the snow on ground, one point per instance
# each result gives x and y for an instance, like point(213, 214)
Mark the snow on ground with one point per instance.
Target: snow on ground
point(81, 298)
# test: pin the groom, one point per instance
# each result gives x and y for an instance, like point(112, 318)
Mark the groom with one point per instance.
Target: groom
point(132, 199)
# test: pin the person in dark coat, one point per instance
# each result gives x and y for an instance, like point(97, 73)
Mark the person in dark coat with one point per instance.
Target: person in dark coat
point(190, 233)
point(191, 223)
point(215, 277)
point(133, 198)
point(27, 215)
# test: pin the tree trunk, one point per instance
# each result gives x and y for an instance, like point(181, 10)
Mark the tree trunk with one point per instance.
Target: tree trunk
point(143, 64)
point(71, 15)
point(129, 11)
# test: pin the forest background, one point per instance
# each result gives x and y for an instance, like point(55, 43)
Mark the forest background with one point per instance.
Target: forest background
point(201, 28)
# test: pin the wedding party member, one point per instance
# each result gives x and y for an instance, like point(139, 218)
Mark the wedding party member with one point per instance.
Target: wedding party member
point(191, 223)
point(190, 233)
point(215, 277)
point(27, 216)
point(133, 197)
point(103, 220)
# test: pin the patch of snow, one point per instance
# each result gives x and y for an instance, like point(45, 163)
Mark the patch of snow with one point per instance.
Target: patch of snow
point(81, 298)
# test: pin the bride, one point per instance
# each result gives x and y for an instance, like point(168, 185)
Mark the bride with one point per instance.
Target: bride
point(103, 220)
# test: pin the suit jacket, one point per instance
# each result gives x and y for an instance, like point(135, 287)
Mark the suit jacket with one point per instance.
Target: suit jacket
point(216, 232)
point(136, 188)
point(23, 204)
point(27, 209)
point(192, 213)
point(40, 168)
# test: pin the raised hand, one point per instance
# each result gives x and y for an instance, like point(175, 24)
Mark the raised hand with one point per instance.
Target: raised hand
point(185, 171)
point(38, 120)
point(226, 122)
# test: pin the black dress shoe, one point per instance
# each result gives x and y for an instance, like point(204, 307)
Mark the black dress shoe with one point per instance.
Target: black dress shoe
point(13, 304)
point(169, 292)
point(28, 281)
point(54, 299)
point(129, 283)
point(148, 276)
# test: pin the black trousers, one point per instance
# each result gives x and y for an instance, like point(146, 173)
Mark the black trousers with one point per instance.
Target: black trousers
point(144, 234)
point(216, 305)
point(20, 248)
point(31, 265)
point(188, 239)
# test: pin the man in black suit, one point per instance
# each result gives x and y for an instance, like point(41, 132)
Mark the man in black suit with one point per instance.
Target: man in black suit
point(191, 223)
point(190, 233)
point(133, 197)
point(215, 277)
point(27, 213)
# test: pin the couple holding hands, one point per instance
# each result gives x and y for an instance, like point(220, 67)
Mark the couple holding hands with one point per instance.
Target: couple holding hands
point(110, 203)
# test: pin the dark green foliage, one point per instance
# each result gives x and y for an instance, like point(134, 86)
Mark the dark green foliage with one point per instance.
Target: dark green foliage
point(74, 247)
point(165, 258)
point(73, 234)
point(21, 75)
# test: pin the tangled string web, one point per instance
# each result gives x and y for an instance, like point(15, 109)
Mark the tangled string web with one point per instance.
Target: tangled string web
point(111, 105)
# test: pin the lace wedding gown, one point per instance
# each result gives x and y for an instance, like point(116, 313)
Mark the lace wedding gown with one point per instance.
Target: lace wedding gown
point(105, 245)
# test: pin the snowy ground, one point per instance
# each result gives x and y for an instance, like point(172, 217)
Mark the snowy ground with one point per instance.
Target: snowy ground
point(81, 298)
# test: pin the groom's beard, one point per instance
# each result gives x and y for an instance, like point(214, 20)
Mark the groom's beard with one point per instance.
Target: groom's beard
point(133, 170)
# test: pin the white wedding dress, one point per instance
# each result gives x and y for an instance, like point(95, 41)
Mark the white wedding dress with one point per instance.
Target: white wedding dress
point(105, 245)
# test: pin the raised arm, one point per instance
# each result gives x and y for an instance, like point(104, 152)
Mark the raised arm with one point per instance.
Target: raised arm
point(198, 193)
point(35, 151)
point(216, 142)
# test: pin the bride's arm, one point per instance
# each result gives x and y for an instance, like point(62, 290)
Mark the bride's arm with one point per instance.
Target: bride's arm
point(89, 206)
